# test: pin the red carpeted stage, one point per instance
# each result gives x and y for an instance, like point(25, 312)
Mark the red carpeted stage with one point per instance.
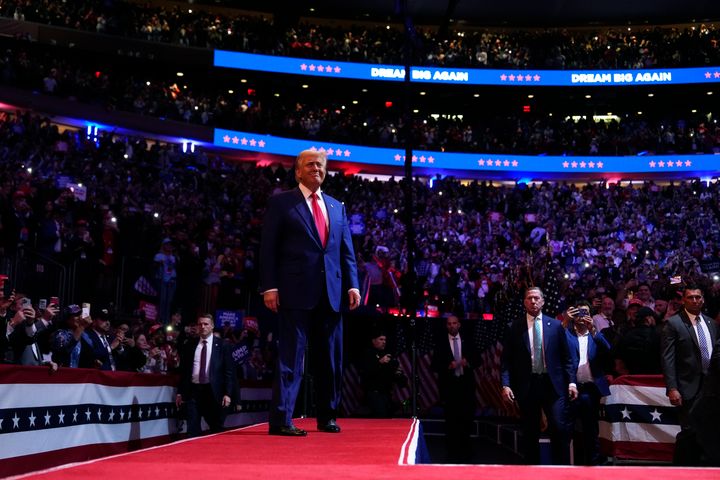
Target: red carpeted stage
point(367, 449)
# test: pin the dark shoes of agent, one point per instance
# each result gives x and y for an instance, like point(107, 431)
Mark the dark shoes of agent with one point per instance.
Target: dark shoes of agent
point(292, 431)
point(329, 427)
point(289, 431)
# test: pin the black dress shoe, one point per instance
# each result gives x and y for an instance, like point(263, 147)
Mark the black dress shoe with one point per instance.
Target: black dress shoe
point(287, 431)
point(329, 427)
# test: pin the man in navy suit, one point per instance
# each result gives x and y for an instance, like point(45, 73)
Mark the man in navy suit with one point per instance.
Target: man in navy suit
point(207, 378)
point(537, 371)
point(687, 342)
point(307, 266)
point(589, 351)
point(100, 338)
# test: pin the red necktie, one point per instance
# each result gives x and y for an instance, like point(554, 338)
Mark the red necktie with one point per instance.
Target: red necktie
point(202, 378)
point(319, 219)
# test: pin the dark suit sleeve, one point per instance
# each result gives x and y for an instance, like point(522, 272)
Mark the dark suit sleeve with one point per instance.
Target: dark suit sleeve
point(602, 348)
point(668, 344)
point(573, 345)
point(568, 364)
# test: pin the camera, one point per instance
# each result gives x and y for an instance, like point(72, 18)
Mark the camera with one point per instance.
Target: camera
point(583, 312)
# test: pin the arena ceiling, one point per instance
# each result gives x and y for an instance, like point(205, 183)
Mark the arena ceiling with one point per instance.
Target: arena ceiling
point(500, 12)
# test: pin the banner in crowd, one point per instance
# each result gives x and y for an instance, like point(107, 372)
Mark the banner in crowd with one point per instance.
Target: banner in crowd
point(637, 420)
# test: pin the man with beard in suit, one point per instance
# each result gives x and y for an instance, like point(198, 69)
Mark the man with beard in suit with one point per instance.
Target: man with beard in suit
point(454, 360)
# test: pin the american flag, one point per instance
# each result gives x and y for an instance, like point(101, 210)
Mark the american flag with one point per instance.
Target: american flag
point(428, 394)
point(352, 391)
point(637, 421)
point(487, 338)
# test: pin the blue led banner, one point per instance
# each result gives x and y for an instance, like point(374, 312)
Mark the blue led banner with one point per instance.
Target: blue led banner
point(468, 76)
point(676, 165)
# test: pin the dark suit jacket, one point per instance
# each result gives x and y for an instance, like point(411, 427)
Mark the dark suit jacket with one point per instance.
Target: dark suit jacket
point(221, 370)
point(293, 260)
point(443, 356)
point(598, 350)
point(101, 353)
point(681, 362)
point(517, 359)
point(705, 413)
point(22, 343)
point(62, 350)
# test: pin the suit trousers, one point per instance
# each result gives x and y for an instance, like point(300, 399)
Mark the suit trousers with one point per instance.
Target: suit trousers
point(202, 404)
point(459, 411)
point(542, 397)
point(321, 329)
point(585, 411)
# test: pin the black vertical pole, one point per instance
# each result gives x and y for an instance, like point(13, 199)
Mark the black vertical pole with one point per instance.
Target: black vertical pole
point(409, 285)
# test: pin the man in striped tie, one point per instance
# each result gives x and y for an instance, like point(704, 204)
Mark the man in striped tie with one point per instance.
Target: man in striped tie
point(687, 344)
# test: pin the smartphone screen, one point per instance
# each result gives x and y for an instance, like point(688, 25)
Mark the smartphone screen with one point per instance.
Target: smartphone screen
point(85, 310)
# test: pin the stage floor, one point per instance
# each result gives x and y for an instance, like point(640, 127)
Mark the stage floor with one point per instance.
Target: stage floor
point(366, 449)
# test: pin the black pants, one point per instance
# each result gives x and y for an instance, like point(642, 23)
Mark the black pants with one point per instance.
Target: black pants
point(586, 409)
point(202, 404)
point(542, 397)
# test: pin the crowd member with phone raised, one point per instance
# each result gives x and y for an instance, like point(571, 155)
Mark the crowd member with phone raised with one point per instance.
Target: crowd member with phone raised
point(588, 350)
point(29, 339)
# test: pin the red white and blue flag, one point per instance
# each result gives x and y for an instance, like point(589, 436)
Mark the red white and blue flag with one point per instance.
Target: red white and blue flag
point(637, 420)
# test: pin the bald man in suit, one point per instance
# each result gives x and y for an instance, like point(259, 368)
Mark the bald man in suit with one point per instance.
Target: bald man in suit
point(307, 269)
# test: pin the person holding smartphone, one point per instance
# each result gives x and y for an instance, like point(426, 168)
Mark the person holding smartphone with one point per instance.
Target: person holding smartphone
point(588, 350)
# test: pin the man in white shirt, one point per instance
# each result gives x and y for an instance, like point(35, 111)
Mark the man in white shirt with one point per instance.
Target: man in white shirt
point(207, 378)
point(589, 350)
point(453, 360)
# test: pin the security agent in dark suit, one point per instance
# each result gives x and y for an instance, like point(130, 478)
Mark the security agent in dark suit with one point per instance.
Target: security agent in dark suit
point(687, 344)
point(588, 350)
point(538, 373)
point(207, 377)
point(307, 267)
point(454, 360)
point(705, 413)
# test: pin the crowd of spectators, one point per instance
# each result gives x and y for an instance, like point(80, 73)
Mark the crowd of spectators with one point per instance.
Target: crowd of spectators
point(476, 240)
point(591, 48)
point(60, 73)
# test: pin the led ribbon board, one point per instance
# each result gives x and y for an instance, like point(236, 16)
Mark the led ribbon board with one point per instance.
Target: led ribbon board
point(467, 76)
point(512, 165)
